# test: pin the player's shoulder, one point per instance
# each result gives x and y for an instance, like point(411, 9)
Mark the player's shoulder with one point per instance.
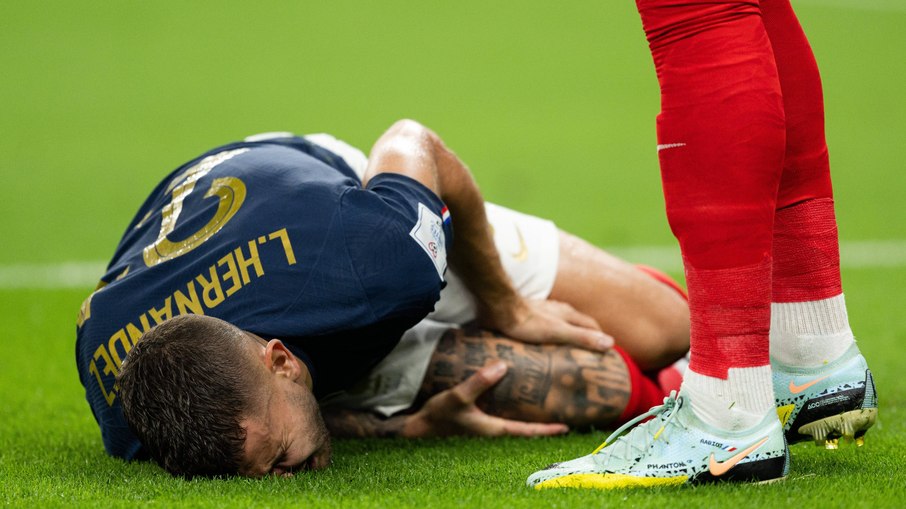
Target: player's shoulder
point(396, 208)
point(397, 240)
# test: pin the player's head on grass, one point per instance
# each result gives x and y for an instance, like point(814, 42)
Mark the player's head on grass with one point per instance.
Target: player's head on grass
point(207, 398)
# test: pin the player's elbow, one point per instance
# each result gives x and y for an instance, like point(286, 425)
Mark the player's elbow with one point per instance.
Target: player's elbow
point(407, 142)
point(409, 129)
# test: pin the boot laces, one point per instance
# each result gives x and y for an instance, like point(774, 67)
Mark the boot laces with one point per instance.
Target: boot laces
point(642, 436)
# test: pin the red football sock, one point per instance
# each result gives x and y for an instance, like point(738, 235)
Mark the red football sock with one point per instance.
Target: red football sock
point(721, 136)
point(643, 394)
point(669, 379)
point(806, 253)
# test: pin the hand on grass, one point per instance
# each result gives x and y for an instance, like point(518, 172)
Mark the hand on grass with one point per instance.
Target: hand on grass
point(454, 412)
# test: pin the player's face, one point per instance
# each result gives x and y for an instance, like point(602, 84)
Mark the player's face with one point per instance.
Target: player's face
point(289, 435)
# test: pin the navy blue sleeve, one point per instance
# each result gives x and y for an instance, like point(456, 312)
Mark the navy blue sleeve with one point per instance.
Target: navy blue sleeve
point(397, 234)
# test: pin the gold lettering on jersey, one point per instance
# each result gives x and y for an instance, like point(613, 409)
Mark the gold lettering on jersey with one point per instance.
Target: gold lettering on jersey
point(143, 220)
point(189, 304)
point(122, 274)
point(287, 247)
point(134, 332)
point(93, 368)
point(253, 261)
point(233, 269)
point(84, 311)
point(211, 286)
point(230, 192)
point(121, 339)
point(109, 367)
point(204, 167)
point(231, 274)
point(164, 313)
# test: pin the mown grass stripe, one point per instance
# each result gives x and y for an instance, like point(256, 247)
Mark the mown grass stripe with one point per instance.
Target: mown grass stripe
point(854, 255)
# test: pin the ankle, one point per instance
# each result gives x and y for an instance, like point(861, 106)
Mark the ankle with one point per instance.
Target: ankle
point(810, 334)
point(737, 403)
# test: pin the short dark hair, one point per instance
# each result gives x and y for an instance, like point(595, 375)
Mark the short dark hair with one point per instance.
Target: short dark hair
point(185, 388)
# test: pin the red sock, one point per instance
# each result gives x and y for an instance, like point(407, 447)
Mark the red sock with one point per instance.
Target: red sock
point(806, 253)
point(721, 136)
point(669, 379)
point(643, 392)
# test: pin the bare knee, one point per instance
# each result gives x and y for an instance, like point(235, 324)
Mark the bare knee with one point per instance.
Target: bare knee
point(648, 318)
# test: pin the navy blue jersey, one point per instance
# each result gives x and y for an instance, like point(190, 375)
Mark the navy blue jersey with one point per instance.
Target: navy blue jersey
point(279, 238)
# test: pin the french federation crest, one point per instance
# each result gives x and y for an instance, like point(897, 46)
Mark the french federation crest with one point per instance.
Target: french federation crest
point(428, 232)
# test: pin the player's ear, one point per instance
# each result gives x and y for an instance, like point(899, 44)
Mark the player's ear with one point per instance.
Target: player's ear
point(281, 362)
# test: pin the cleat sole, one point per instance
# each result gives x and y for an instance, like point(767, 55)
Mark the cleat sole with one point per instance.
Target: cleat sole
point(770, 481)
point(851, 425)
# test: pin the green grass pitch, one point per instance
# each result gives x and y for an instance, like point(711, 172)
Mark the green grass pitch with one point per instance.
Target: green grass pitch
point(552, 104)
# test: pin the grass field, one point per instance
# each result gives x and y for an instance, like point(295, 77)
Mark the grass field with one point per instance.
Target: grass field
point(553, 107)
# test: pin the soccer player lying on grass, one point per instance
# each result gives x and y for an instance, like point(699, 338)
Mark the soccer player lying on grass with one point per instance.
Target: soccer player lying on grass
point(289, 242)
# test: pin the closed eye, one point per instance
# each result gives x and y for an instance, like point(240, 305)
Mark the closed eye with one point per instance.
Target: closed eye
point(289, 470)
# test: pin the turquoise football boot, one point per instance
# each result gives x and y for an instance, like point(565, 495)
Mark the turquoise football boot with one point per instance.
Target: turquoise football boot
point(823, 404)
point(674, 447)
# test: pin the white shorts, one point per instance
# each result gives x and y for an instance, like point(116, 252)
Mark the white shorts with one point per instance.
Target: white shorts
point(529, 250)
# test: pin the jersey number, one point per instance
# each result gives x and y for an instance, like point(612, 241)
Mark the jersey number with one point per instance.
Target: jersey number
point(229, 190)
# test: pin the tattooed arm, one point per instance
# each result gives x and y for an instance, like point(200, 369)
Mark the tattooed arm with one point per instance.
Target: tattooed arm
point(545, 383)
point(450, 412)
point(479, 383)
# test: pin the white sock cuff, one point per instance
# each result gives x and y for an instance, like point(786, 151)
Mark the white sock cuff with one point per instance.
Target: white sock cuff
point(739, 402)
point(753, 388)
point(810, 334)
point(816, 317)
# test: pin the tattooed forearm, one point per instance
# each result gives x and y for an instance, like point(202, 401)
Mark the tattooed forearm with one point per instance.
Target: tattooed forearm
point(546, 383)
point(344, 423)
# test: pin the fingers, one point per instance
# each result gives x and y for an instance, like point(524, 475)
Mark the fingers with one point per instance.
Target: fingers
point(587, 339)
point(498, 426)
point(532, 429)
point(574, 328)
point(467, 391)
point(565, 333)
point(459, 406)
point(574, 316)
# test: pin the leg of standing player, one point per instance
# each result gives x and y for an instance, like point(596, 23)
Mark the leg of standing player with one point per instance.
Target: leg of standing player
point(810, 334)
point(721, 139)
point(721, 142)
